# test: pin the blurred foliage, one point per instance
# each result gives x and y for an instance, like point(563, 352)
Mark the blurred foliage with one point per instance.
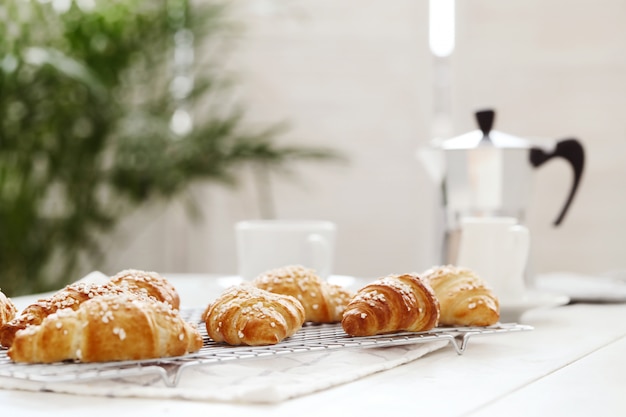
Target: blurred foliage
point(86, 101)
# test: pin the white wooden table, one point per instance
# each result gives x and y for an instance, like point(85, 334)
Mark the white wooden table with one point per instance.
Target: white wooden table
point(572, 364)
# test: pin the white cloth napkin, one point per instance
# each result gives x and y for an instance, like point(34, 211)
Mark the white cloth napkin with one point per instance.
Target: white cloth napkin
point(249, 381)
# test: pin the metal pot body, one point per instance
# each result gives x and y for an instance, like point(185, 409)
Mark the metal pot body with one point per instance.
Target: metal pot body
point(486, 181)
point(483, 182)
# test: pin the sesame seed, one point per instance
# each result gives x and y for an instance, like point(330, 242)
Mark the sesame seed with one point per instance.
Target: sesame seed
point(121, 333)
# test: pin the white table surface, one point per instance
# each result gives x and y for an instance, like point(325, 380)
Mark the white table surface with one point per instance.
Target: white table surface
point(571, 364)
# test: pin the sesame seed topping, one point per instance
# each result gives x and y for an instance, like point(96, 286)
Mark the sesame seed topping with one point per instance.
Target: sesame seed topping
point(121, 333)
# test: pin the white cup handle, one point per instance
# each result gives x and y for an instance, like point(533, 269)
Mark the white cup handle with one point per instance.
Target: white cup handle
point(520, 245)
point(321, 254)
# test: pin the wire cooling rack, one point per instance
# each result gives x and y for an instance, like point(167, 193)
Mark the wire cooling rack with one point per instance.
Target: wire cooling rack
point(311, 338)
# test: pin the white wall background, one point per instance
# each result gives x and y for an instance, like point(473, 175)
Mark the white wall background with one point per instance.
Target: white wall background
point(357, 75)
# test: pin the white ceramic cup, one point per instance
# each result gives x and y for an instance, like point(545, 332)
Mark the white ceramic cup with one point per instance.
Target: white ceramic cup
point(267, 244)
point(496, 248)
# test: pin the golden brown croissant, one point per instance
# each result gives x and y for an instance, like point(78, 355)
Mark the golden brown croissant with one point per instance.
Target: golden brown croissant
point(7, 309)
point(390, 304)
point(107, 328)
point(465, 298)
point(72, 296)
point(246, 315)
point(151, 282)
point(149, 286)
point(323, 302)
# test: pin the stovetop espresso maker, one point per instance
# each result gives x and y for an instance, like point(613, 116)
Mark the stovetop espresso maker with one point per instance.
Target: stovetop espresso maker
point(489, 173)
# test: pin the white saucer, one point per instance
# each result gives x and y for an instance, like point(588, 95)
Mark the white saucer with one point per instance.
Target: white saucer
point(229, 281)
point(604, 288)
point(346, 281)
point(511, 310)
point(341, 280)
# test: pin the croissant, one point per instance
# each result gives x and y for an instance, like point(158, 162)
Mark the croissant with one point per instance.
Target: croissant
point(7, 309)
point(110, 327)
point(72, 296)
point(390, 304)
point(246, 315)
point(323, 302)
point(151, 282)
point(465, 298)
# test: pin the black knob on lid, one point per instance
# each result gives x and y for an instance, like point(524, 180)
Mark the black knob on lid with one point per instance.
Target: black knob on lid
point(485, 120)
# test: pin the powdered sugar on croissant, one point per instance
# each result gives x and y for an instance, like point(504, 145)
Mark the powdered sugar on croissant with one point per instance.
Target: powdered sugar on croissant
point(465, 298)
point(107, 328)
point(72, 296)
point(246, 315)
point(323, 302)
point(390, 304)
point(149, 284)
point(152, 283)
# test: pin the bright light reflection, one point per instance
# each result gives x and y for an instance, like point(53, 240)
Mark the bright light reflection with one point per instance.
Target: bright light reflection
point(181, 122)
point(441, 27)
point(61, 6)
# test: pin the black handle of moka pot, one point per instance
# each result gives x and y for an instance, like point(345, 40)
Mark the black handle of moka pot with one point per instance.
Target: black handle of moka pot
point(573, 152)
point(485, 119)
